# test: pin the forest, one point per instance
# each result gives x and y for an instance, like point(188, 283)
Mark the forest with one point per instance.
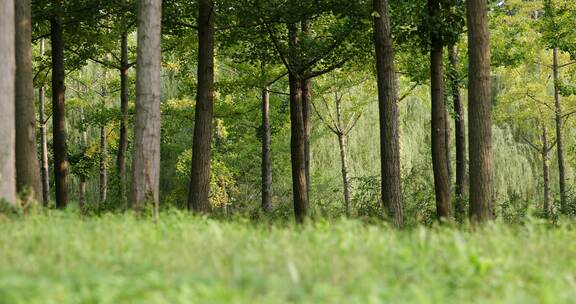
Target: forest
point(283, 151)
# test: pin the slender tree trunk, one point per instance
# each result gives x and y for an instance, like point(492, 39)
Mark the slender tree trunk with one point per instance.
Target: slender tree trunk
point(82, 177)
point(460, 133)
point(388, 110)
point(123, 140)
point(103, 169)
point(439, 121)
point(266, 148)
point(546, 172)
point(343, 153)
point(59, 147)
point(298, 137)
point(27, 168)
point(306, 111)
point(7, 97)
point(480, 113)
point(45, 170)
point(559, 140)
point(199, 192)
point(146, 167)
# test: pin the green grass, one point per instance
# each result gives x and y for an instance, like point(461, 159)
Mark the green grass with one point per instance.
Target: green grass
point(62, 258)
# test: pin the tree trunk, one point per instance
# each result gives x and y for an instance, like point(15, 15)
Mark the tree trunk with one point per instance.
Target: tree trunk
point(298, 137)
point(266, 148)
point(439, 121)
point(146, 167)
point(59, 147)
point(7, 97)
point(45, 170)
point(546, 172)
point(480, 113)
point(82, 177)
point(123, 140)
point(199, 192)
point(27, 169)
point(559, 141)
point(388, 111)
point(343, 153)
point(103, 169)
point(460, 133)
point(306, 110)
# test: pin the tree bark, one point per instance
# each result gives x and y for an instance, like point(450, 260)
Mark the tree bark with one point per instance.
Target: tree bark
point(103, 165)
point(45, 170)
point(199, 192)
point(27, 168)
point(123, 140)
point(546, 172)
point(460, 133)
point(306, 110)
point(388, 111)
point(439, 122)
point(341, 133)
point(266, 151)
point(146, 167)
point(7, 105)
point(298, 136)
point(559, 140)
point(59, 146)
point(480, 113)
point(82, 177)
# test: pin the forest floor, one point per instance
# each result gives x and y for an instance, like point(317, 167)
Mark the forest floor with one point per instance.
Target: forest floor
point(65, 258)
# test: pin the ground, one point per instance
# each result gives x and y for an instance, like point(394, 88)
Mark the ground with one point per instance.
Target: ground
point(65, 258)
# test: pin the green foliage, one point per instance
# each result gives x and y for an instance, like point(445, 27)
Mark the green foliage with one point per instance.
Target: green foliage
point(116, 259)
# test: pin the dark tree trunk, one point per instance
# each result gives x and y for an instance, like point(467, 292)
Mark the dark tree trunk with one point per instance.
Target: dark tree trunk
point(199, 193)
point(480, 113)
point(27, 169)
point(306, 111)
point(546, 172)
point(60, 149)
point(298, 137)
point(266, 148)
point(123, 140)
point(388, 110)
point(82, 177)
point(103, 166)
point(460, 133)
point(45, 170)
point(559, 141)
point(439, 122)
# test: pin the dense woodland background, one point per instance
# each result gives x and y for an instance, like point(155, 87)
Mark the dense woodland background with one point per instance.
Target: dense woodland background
point(235, 74)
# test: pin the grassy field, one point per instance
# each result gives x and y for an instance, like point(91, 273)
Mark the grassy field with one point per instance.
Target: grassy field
point(63, 258)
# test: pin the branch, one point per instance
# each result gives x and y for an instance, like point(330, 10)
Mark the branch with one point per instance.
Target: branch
point(331, 127)
point(407, 93)
point(530, 143)
point(277, 47)
point(326, 70)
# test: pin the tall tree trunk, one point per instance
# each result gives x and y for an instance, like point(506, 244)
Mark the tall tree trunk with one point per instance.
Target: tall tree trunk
point(266, 148)
point(388, 109)
point(27, 168)
point(546, 172)
point(146, 167)
point(343, 153)
point(123, 140)
point(306, 111)
point(7, 97)
point(59, 147)
point(439, 121)
point(82, 177)
point(298, 137)
point(460, 133)
point(103, 165)
point(45, 170)
point(480, 113)
point(199, 192)
point(559, 141)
